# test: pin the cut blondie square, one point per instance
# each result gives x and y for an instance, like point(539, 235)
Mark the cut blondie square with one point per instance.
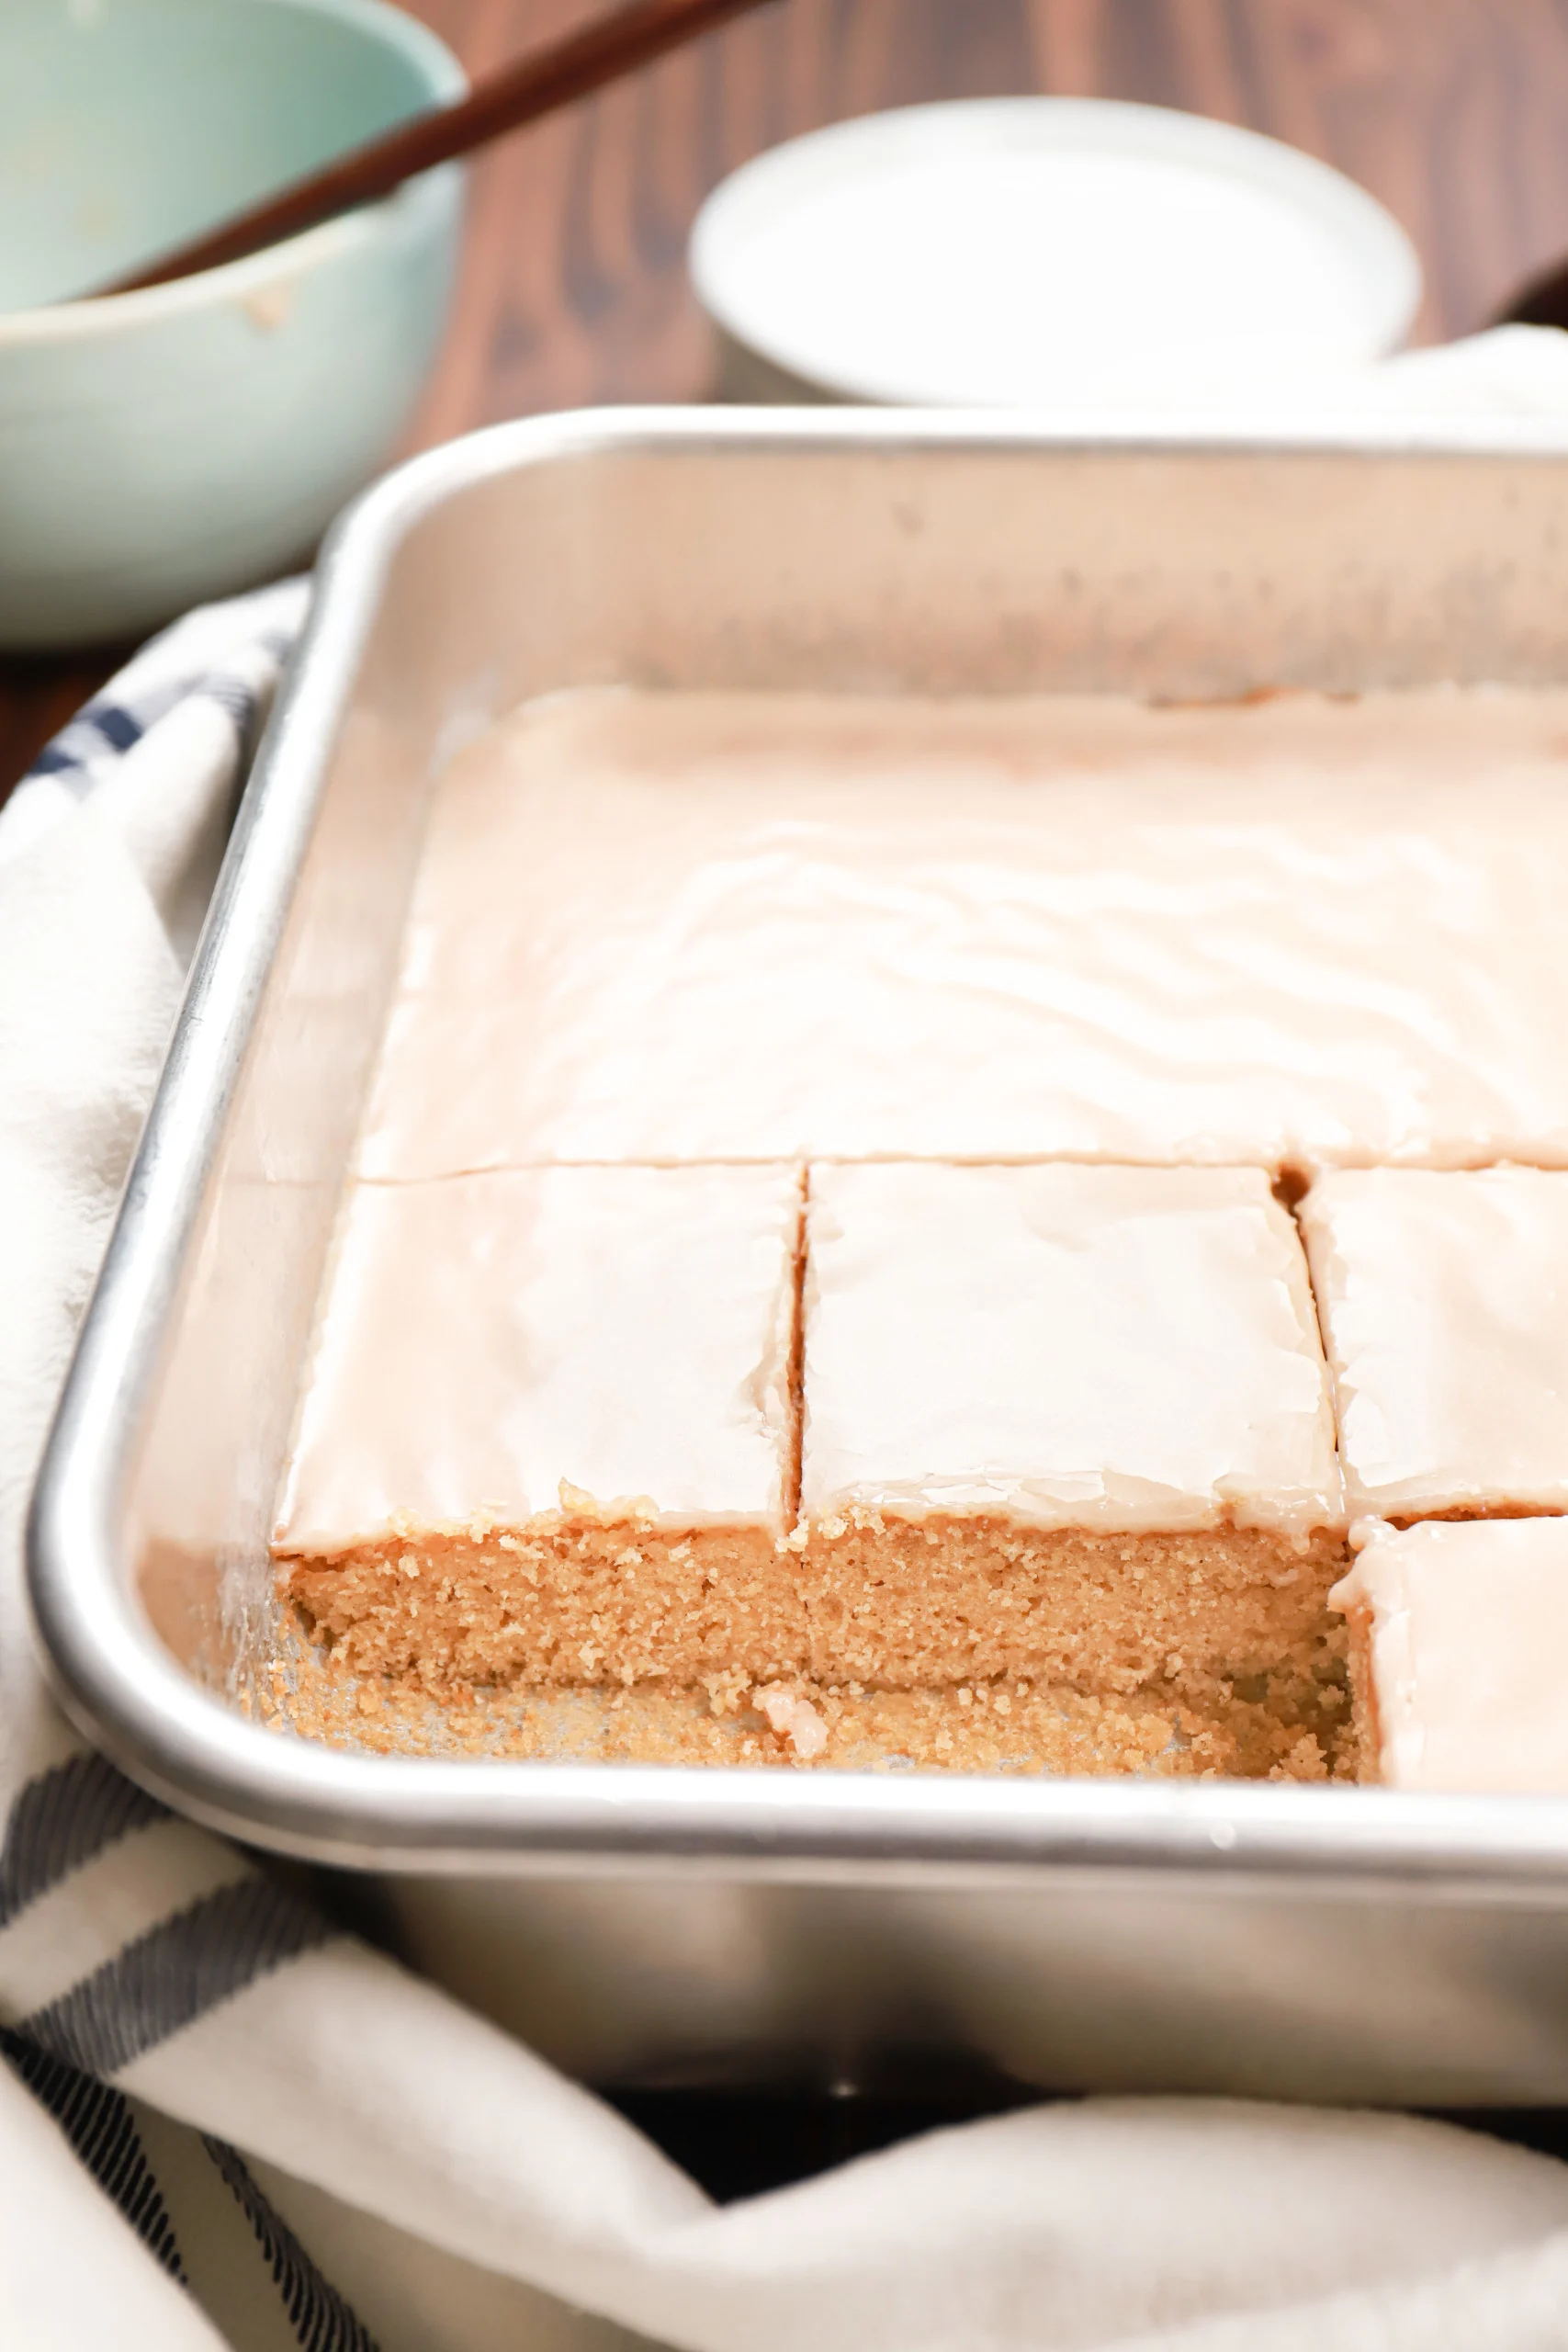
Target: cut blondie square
point(1068, 1423)
point(548, 1432)
point(1459, 1654)
point(1444, 1303)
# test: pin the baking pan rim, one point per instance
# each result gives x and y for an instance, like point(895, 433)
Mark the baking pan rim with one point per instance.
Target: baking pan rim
point(403, 1814)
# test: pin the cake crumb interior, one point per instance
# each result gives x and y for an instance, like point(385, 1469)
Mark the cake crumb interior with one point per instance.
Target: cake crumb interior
point(1214, 1633)
point(1287, 1725)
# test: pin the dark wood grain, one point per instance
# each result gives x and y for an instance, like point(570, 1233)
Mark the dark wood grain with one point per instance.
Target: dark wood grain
point(1453, 112)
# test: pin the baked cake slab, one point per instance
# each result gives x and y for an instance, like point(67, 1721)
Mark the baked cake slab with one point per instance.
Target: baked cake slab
point(1063, 1422)
point(548, 1428)
point(676, 927)
point(1460, 1654)
point(1444, 1304)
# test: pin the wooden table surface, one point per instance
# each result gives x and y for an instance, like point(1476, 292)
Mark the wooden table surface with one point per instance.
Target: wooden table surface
point(1454, 112)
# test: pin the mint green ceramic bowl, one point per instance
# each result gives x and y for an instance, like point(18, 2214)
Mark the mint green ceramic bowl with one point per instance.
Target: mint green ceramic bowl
point(161, 447)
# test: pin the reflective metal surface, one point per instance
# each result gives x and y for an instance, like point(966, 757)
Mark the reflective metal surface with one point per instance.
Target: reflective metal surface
point(682, 1925)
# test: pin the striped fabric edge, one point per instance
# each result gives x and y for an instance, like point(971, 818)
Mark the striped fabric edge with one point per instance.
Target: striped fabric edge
point(322, 2319)
point(177, 1972)
point(107, 727)
point(63, 1818)
point(100, 730)
point(97, 2122)
point(60, 1820)
point(245, 702)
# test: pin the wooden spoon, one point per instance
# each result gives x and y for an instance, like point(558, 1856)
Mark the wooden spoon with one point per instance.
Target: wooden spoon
point(536, 86)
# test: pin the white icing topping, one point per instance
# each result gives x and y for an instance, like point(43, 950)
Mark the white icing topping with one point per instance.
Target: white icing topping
point(1469, 1652)
point(1444, 1304)
point(669, 927)
point(1104, 1347)
point(488, 1341)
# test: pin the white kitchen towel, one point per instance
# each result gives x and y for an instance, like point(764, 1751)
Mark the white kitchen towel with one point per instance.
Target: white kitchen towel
point(297, 2139)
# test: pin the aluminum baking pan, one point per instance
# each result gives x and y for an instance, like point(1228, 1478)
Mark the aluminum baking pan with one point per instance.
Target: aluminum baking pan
point(682, 1924)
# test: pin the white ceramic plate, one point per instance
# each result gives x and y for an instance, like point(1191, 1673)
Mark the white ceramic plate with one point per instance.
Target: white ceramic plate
point(1020, 252)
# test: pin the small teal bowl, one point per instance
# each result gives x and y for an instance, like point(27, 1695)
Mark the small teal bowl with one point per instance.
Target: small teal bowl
point(161, 447)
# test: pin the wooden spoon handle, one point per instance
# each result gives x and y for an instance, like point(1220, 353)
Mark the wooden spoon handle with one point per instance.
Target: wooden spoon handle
point(568, 69)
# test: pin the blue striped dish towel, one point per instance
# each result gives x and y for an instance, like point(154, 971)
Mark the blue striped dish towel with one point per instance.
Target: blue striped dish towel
point(222, 2120)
